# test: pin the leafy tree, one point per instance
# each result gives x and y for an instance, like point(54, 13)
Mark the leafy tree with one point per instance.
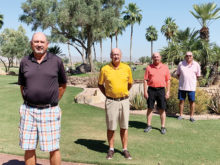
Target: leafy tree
point(205, 13)
point(144, 59)
point(1, 20)
point(76, 20)
point(14, 45)
point(151, 35)
point(132, 16)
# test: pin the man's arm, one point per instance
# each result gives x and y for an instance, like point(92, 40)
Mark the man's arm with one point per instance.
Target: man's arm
point(62, 88)
point(102, 89)
point(145, 89)
point(168, 90)
point(21, 88)
point(129, 86)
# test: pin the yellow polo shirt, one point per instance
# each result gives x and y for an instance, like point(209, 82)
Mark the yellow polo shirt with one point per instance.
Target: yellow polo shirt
point(116, 80)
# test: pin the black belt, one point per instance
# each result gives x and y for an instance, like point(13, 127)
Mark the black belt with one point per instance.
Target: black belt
point(40, 106)
point(153, 88)
point(117, 99)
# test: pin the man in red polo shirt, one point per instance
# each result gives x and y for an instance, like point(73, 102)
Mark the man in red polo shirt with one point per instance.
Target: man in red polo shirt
point(156, 88)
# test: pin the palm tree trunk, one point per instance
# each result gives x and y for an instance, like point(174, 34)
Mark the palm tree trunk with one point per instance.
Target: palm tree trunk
point(101, 50)
point(94, 51)
point(68, 45)
point(116, 39)
point(89, 47)
point(111, 42)
point(151, 48)
point(131, 42)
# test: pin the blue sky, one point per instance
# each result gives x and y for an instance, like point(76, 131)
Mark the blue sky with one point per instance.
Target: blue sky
point(154, 13)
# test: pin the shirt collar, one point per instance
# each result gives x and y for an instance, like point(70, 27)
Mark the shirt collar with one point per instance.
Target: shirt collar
point(158, 66)
point(185, 63)
point(113, 67)
point(33, 59)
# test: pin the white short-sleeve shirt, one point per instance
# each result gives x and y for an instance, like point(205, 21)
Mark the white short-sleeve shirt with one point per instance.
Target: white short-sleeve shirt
point(188, 74)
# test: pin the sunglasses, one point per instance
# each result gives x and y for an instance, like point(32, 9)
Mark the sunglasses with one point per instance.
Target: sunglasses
point(188, 55)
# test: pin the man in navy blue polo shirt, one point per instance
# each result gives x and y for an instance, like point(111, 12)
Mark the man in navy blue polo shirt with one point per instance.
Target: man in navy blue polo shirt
point(42, 81)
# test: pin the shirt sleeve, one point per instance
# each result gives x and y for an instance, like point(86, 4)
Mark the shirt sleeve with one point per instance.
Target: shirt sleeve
point(101, 77)
point(21, 79)
point(167, 78)
point(178, 70)
point(130, 78)
point(198, 71)
point(61, 74)
point(146, 73)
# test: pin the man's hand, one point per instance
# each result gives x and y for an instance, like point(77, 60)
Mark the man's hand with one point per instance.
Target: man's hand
point(167, 95)
point(146, 95)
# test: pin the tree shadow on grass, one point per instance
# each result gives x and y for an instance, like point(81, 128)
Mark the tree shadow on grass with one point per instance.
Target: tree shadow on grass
point(140, 125)
point(16, 162)
point(13, 83)
point(95, 145)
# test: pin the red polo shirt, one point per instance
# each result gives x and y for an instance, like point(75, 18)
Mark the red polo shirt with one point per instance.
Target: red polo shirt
point(157, 76)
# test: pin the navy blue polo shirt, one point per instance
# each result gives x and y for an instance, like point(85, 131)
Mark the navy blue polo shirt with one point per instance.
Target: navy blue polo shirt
point(41, 81)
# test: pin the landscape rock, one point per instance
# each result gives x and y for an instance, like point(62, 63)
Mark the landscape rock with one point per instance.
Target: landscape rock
point(83, 68)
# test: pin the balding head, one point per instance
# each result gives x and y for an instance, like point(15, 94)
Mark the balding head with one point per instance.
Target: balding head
point(39, 44)
point(116, 56)
point(39, 34)
point(156, 58)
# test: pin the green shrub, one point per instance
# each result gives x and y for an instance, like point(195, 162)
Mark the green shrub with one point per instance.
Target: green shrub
point(173, 102)
point(203, 82)
point(202, 100)
point(138, 102)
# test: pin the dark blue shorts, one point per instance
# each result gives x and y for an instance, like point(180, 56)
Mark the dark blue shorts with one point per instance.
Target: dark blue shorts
point(182, 95)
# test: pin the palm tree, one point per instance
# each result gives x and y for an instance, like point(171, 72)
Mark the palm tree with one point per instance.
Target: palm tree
point(188, 39)
point(151, 35)
point(55, 50)
point(205, 13)
point(1, 20)
point(169, 29)
point(132, 15)
point(119, 30)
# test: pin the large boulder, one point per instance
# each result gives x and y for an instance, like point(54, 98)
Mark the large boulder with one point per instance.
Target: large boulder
point(12, 73)
point(90, 96)
point(83, 68)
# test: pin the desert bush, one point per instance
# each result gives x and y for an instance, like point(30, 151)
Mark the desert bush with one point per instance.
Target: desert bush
point(202, 100)
point(203, 82)
point(138, 102)
point(214, 105)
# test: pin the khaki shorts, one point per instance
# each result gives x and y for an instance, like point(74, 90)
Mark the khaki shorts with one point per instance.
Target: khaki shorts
point(117, 111)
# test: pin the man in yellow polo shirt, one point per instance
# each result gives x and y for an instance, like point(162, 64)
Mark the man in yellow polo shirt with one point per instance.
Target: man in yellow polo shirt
point(115, 80)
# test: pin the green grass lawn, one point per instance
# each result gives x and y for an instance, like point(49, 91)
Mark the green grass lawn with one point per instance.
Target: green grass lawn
point(83, 137)
point(138, 74)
